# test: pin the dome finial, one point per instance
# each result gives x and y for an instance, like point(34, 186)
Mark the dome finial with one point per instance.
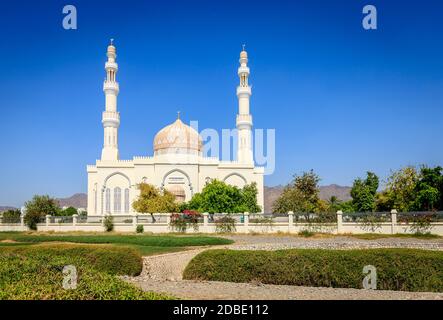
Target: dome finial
point(112, 41)
point(243, 47)
point(178, 115)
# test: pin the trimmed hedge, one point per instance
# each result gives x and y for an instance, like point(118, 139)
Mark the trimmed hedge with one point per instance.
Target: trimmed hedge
point(103, 258)
point(397, 269)
point(35, 272)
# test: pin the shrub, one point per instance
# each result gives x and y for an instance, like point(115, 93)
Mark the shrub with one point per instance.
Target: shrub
point(397, 269)
point(11, 216)
point(32, 218)
point(139, 228)
point(225, 224)
point(372, 222)
point(70, 211)
point(263, 221)
point(38, 208)
point(187, 219)
point(306, 233)
point(109, 223)
point(418, 223)
point(35, 272)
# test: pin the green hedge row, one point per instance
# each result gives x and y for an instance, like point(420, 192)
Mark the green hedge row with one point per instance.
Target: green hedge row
point(35, 272)
point(397, 269)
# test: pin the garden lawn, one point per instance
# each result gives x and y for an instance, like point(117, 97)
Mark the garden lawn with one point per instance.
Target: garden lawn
point(144, 244)
point(36, 272)
point(397, 269)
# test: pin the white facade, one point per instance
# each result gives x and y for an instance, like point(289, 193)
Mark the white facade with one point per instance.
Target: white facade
point(177, 163)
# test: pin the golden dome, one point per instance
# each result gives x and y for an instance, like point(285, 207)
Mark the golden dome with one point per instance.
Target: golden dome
point(177, 138)
point(243, 54)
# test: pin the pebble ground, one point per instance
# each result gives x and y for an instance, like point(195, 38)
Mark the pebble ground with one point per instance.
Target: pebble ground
point(163, 273)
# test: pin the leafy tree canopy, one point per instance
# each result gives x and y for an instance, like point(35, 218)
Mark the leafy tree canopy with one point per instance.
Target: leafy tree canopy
point(364, 192)
point(70, 211)
point(301, 195)
point(152, 200)
point(219, 197)
point(429, 189)
point(42, 205)
point(39, 207)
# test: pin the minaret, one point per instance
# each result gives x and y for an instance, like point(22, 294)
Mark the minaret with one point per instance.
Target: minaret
point(244, 119)
point(111, 118)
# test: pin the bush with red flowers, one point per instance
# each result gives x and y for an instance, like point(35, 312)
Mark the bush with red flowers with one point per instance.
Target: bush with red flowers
point(180, 222)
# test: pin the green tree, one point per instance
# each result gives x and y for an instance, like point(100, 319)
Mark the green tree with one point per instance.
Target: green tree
point(301, 195)
point(400, 191)
point(364, 192)
point(11, 216)
point(152, 200)
point(346, 206)
point(69, 211)
point(384, 201)
point(429, 189)
point(219, 197)
point(333, 204)
point(39, 207)
point(249, 199)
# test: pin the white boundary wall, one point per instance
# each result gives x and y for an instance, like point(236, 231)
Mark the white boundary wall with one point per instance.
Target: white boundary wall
point(128, 223)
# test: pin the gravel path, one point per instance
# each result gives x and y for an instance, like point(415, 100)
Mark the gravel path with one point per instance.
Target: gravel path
point(163, 273)
point(213, 290)
point(268, 242)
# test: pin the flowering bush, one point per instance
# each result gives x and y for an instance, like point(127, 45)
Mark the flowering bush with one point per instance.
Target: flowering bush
point(180, 222)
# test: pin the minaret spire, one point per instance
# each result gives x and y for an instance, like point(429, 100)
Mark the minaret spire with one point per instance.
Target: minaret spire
point(110, 118)
point(244, 119)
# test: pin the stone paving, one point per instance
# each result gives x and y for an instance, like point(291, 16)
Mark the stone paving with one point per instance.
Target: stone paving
point(163, 273)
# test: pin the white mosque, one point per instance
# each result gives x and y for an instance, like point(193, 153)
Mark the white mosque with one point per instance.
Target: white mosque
point(177, 164)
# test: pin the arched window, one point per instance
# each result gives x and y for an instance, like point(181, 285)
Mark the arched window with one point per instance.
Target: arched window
point(117, 200)
point(95, 200)
point(178, 192)
point(126, 200)
point(108, 200)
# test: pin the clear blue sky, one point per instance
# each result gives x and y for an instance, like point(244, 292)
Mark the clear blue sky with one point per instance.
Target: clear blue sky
point(341, 99)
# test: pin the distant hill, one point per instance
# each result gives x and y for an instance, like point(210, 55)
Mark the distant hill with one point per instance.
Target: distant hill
point(341, 192)
point(272, 193)
point(78, 200)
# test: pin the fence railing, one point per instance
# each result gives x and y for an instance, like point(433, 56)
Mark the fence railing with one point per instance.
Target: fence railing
point(378, 222)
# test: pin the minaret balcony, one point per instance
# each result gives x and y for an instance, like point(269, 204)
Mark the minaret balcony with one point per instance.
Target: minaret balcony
point(242, 91)
point(243, 70)
point(111, 65)
point(111, 86)
point(111, 117)
point(244, 119)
